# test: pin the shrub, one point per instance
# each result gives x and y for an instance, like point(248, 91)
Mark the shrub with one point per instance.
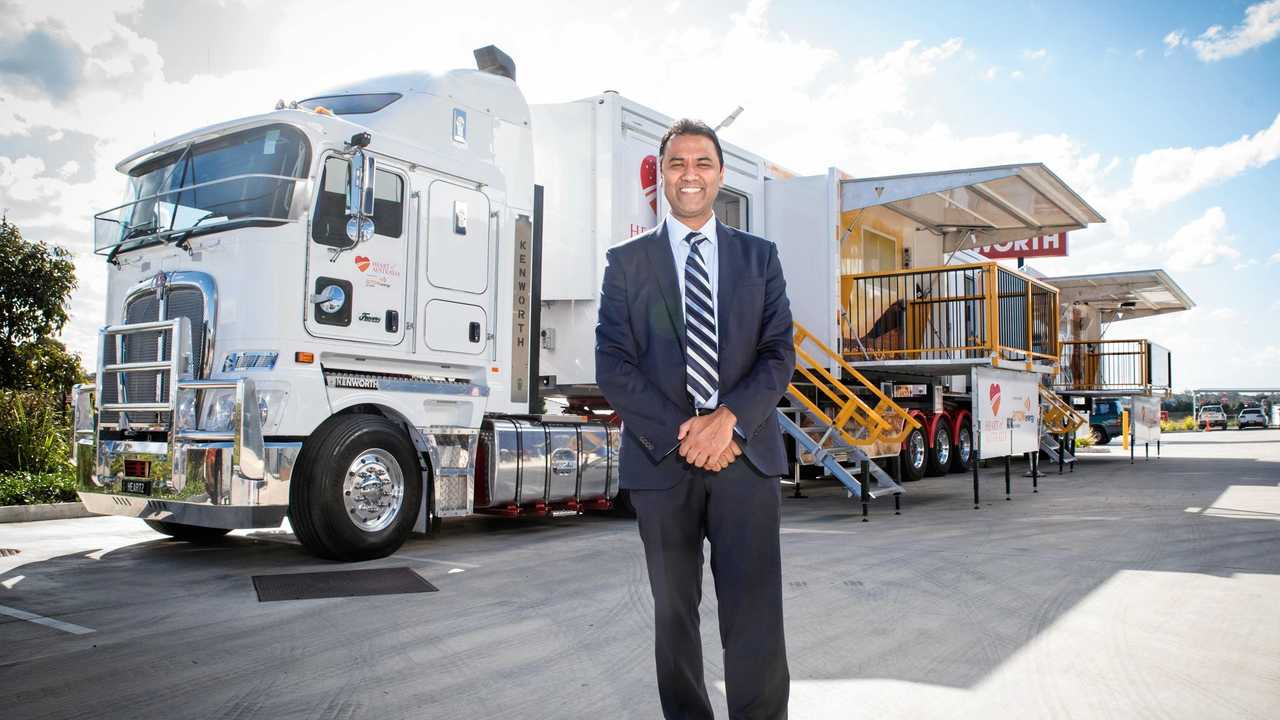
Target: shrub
point(1188, 423)
point(34, 433)
point(1084, 439)
point(29, 488)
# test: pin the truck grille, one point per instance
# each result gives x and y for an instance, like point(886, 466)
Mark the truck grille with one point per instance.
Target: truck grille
point(142, 386)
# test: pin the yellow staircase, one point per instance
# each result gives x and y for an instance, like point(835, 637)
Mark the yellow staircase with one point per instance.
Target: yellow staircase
point(833, 424)
point(1058, 421)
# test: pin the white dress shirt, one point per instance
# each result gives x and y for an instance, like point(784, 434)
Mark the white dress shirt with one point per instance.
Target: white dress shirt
point(676, 232)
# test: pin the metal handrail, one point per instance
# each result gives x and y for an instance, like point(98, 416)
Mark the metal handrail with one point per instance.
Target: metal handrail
point(850, 408)
point(968, 311)
point(1104, 365)
point(1060, 416)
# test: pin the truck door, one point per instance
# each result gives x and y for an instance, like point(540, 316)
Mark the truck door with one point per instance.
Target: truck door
point(358, 293)
point(458, 267)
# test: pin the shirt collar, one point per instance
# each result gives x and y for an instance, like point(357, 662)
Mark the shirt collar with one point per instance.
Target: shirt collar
point(678, 230)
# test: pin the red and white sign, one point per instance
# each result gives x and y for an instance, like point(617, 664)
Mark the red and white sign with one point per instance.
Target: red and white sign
point(1039, 246)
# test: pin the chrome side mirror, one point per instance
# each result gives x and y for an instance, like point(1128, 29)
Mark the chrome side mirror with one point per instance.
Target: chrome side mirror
point(361, 172)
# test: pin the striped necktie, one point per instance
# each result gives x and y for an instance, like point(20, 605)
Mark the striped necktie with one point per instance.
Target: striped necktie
point(702, 376)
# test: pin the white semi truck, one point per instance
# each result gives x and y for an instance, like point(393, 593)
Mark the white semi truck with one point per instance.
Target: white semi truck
point(349, 310)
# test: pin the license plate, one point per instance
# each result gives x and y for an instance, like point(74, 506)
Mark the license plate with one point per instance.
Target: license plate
point(136, 487)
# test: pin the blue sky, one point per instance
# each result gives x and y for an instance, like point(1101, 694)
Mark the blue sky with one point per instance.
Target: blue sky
point(1168, 127)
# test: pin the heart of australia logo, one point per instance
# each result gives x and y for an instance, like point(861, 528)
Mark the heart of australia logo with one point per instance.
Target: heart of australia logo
point(995, 398)
point(362, 263)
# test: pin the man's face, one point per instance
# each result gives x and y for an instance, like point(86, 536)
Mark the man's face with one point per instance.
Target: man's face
point(691, 178)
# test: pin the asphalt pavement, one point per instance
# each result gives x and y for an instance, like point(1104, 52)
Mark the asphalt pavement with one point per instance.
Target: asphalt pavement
point(1119, 590)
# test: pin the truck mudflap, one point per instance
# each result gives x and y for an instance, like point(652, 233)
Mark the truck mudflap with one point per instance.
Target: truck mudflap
point(210, 469)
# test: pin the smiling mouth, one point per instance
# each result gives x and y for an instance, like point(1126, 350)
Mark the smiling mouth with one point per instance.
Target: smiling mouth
point(690, 190)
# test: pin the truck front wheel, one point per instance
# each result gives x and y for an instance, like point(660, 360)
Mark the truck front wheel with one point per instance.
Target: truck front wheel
point(356, 489)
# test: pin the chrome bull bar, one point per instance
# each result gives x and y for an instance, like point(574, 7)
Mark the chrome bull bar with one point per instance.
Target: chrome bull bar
point(212, 467)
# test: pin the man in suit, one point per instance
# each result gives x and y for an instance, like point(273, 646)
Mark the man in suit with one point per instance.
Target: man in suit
point(694, 350)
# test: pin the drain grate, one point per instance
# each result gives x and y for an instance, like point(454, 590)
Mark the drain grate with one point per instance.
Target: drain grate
point(6, 552)
point(341, 583)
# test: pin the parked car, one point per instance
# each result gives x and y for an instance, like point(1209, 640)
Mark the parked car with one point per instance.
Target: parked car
point(1104, 420)
point(1251, 417)
point(1213, 415)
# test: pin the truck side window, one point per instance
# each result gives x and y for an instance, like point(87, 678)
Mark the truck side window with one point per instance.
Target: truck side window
point(329, 226)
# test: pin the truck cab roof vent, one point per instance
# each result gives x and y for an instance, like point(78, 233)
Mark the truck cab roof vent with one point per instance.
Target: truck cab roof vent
point(492, 60)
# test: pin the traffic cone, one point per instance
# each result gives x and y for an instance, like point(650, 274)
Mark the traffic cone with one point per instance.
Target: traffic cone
point(1207, 426)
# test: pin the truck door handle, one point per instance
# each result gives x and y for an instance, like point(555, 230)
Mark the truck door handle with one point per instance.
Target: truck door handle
point(392, 322)
point(473, 332)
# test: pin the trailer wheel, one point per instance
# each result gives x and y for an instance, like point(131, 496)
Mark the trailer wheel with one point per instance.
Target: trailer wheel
point(940, 454)
point(962, 452)
point(913, 457)
point(190, 533)
point(356, 489)
point(1100, 436)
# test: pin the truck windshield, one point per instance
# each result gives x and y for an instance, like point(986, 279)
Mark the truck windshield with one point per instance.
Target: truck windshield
point(243, 178)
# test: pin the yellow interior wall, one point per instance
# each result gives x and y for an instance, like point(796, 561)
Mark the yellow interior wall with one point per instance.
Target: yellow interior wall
point(882, 221)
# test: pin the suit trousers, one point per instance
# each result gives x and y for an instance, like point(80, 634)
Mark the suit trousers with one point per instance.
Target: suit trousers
point(739, 511)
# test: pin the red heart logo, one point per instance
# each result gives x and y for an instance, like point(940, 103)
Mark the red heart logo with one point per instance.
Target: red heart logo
point(995, 398)
point(362, 263)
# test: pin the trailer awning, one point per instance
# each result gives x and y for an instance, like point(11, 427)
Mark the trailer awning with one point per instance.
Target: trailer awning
point(979, 206)
point(1124, 295)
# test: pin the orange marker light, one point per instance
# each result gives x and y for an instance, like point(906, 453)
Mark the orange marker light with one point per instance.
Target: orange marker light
point(304, 358)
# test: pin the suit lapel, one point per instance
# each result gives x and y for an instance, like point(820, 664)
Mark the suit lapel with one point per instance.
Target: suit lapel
point(728, 259)
point(664, 266)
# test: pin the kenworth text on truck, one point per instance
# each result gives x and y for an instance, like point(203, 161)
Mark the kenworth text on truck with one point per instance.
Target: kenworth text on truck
point(351, 310)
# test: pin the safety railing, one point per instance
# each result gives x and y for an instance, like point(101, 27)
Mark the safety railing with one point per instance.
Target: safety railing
point(951, 312)
point(1059, 416)
point(856, 422)
point(1113, 365)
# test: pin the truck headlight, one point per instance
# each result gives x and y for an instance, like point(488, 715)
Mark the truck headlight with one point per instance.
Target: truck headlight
point(271, 404)
point(218, 409)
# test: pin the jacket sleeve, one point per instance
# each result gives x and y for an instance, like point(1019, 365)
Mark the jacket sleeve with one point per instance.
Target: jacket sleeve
point(756, 396)
point(645, 410)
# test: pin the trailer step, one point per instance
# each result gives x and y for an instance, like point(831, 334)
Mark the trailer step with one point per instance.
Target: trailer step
point(881, 483)
point(1050, 447)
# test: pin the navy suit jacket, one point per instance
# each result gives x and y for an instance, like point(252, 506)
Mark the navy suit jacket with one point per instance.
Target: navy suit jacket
point(640, 354)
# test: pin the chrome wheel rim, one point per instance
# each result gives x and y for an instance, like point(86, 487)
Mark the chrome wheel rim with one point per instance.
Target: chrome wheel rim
point(373, 490)
point(966, 446)
point(942, 446)
point(915, 447)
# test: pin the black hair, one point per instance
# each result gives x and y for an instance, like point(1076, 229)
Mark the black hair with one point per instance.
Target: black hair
point(689, 126)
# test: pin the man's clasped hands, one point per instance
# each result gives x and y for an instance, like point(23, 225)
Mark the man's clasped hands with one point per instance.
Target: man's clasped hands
point(707, 442)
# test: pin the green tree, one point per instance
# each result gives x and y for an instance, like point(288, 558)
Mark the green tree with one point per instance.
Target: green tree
point(35, 291)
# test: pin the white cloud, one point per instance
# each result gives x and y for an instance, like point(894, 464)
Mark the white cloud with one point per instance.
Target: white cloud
point(1173, 40)
point(1224, 313)
point(1261, 25)
point(1140, 53)
point(1201, 242)
point(1251, 262)
point(1035, 55)
point(1016, 74)
point(1163, 176)
point(1274, 259)
point(992, 72)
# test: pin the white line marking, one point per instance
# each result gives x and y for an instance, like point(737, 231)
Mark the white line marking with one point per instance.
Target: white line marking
point(456, 570)
point(42, 620)
point(807, 531)
point(450, 563)
point(13, 581)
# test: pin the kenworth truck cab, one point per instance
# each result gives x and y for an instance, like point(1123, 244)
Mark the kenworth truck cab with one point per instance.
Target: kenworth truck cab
point(318, 311)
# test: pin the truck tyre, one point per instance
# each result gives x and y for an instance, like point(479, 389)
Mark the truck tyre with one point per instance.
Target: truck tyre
point(1100, 436)
point(962, 451)
point(939, 461)
point(190, 533)
point(913, 458)
point(356, 489)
